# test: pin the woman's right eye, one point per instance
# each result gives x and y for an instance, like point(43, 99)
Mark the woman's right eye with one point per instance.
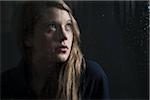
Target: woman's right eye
point(52, 26)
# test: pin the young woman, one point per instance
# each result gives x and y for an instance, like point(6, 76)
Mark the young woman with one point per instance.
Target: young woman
point(53, 66)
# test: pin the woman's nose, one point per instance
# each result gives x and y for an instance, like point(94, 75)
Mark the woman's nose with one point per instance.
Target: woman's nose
point(62, 34)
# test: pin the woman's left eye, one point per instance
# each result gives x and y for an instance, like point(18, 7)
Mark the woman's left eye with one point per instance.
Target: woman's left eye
point(68, 27)
point(52, 27)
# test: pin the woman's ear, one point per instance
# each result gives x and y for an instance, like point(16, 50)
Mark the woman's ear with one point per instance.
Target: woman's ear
point(28, 41)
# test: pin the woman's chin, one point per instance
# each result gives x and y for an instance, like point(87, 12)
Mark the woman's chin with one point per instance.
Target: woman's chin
point(61, 57)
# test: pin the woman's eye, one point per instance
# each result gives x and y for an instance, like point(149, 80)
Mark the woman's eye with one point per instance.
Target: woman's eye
point(68, 27)
point(52, 27)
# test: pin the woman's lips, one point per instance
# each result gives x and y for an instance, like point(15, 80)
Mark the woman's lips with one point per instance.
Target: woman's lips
point(62, 49)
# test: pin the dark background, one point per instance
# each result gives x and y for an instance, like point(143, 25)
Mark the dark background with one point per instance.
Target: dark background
point(113, 33)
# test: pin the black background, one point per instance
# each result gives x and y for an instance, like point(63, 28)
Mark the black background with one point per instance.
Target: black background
point(113, 33)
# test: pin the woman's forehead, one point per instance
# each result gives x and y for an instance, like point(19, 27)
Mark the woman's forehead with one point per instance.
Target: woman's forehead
point(55, 14)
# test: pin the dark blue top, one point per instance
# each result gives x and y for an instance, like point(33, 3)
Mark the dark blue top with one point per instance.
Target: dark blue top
point(94, 83)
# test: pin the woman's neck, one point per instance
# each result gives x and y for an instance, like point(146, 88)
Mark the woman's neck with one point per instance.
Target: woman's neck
point(41, 73)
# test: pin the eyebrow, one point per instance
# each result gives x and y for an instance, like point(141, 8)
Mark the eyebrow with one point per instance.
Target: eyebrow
point(69, 20)
point(51, 21)
point(55, 22)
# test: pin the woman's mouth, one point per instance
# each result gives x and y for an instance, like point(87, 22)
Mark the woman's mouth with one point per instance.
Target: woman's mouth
point(62, 49)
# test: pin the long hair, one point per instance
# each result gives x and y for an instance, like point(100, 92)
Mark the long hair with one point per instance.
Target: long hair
point(71, 70)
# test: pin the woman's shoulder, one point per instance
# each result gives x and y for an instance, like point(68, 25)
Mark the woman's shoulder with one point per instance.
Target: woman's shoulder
point(13, 76)
point(94, 82)
point(13, 83)
point(12, 72)
point(95, 70)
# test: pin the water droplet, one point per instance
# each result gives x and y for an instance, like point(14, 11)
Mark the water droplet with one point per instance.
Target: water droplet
point(103, 15)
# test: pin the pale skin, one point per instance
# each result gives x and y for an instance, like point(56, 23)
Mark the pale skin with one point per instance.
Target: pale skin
point(51, 43)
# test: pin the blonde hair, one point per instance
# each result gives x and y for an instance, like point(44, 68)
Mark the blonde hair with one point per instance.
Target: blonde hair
point(71, 70)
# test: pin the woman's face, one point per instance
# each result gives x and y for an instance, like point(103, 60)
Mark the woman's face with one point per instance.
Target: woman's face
point(52, 36)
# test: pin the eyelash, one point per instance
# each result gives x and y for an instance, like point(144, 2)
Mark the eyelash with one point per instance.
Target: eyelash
point(70, 26)
point(52, 26)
